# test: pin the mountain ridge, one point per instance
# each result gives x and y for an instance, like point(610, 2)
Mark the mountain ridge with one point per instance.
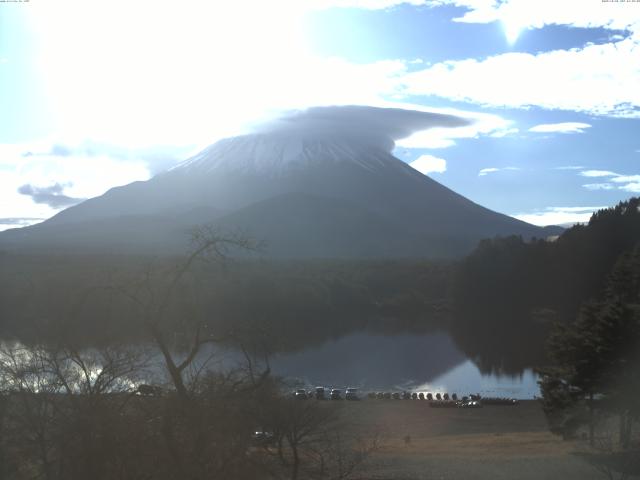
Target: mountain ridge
point(333, 196)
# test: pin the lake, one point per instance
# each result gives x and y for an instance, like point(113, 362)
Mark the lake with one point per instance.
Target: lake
point(420, 362)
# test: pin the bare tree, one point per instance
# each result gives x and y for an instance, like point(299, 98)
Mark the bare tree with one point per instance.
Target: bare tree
point(158, 292)
point(65, 407)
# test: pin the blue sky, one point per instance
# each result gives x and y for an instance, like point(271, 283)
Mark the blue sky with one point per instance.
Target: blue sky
point(98, 94)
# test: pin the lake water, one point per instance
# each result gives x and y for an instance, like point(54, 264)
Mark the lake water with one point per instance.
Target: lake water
point(427, 362)
point(379, 362)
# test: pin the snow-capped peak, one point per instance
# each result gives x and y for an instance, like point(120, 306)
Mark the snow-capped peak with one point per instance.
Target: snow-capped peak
point(275, 154)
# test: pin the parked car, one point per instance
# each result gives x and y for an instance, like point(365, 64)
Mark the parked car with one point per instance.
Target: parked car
point(320, 393)
point(336, 394)
point(300, 394)
point(351, 394)
point(396, 395)
point(262, 438)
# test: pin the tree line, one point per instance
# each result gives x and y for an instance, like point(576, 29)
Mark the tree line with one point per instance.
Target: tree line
point(577, 300)
point(509, 292)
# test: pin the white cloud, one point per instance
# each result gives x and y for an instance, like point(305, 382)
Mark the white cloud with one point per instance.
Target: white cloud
point(596, 79)
point(525, 14)
point(626, 178)
point(630, 183)
point(84, 176)
point(486, 171)
point(13, 222)
point(566, 127)
point(598, 173)
point(558, 215)
point(429, 164)
point(573, 209)
point(631, 187)
point(483, 124)
point(504, 133)
point(570, 167)
point(599, 186)
point(364, 4)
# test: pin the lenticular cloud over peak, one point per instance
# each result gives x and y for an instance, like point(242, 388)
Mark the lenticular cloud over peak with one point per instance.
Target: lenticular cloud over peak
point(380, 127)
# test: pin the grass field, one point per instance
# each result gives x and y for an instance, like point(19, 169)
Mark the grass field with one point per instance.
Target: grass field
point(494, 442)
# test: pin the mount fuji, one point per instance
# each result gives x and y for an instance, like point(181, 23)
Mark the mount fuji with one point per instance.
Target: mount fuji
point(306, 185)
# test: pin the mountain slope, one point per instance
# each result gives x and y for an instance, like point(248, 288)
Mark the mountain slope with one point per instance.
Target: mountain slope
point(307, 195)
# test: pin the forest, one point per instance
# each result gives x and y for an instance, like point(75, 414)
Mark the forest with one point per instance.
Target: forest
point(509, 292)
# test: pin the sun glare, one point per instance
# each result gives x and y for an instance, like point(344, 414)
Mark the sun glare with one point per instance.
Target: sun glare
point(512, 31)
point(513, 21)
point(138, 70)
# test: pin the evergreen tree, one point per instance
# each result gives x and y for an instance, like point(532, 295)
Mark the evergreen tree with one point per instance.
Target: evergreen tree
point(596, 356)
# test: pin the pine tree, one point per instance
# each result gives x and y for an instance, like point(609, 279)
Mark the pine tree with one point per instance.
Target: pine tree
point(596, 356)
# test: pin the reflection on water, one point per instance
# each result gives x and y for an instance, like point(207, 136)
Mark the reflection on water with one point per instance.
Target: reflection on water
point(418, 362)
point(428, 362)
point(466, 378)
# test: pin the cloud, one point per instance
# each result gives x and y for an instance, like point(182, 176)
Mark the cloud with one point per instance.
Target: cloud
point(631, 187)
point(597, 173)
point(481, 124)
point(486, 171)
point(56, 150)
point(53, 196)
point(81, 176)
point(157, 157)
point(599, 186)
point(625, 178)
point(524, 14)
point(363, 4)
point(17, 222)
point(558, 215)
point(570, 167)
point(566, 127)
point(504, 133)
point(429, 164)
point(597, 80)
point(381, 127)
point(631, 183)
